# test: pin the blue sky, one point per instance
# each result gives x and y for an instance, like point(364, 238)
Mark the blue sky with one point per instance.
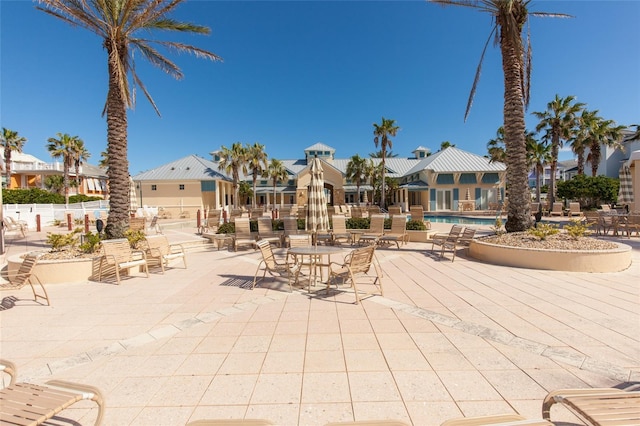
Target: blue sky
point(300, 72)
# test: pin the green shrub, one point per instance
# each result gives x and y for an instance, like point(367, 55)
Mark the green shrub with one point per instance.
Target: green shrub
point(60, 242)
point(82, 198)
point(136, 238)
point(91, 243)
point(497, 227)
point(543, 230)
point(227, 228)
point(358, 223)
point(30, 196)
point(590, 191)
point(416, 225)
point(576, 229)
point(387, 223)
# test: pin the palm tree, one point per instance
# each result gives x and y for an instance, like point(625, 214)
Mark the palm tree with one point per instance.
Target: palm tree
point(232, 161)
point(10, 142)
point(510, 17)
point(257, 164)
point(635, 136)
point(559, 122)
point(104, 160)
point(277, 173)
point(382, 133)
point(538, 154)
point(357, 169)
point(378, 154)
point(586, 124)
point(120, 24)
point(80, 155)
point(446, 144)
point(605, 132)
point(63, 147)
point(495, 147)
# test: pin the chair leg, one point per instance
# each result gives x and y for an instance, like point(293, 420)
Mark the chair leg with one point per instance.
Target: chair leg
point(255, 280)
point(44, 290)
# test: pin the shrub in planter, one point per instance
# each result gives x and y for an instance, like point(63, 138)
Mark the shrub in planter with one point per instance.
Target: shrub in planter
point(358, 223)
point(416, 225)
point(227, 228)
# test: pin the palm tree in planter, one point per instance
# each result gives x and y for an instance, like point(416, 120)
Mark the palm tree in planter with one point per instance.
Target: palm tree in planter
point(232, 161)
point(257, 164)
point(64, 147)
point(126, 26)
point(509, 19)
point(382, 135)
point(11, 142)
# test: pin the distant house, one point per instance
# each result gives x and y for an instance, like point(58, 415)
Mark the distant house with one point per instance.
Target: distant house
point(449, 180)
point(28, 171)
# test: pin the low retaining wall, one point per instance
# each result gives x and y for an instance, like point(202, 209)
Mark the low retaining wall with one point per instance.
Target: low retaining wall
point(58, 271)
point(613, 260)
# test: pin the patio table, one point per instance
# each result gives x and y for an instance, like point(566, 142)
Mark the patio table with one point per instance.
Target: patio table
point(316, 253)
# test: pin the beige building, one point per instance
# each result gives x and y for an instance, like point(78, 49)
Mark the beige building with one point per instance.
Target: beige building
point(448, 180)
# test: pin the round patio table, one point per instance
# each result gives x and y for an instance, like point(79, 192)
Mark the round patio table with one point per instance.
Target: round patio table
point(315, 253)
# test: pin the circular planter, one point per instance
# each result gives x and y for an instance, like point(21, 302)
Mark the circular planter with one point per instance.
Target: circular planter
point(56, 271)
point(613, 260)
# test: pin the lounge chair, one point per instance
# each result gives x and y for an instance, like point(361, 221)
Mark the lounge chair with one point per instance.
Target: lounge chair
point(272, 265)
point(398, 233)
point(376, 230)
point(290, 228)
point(339, 231)
point(632, 224)
point(597, 406)
point(355, 271)
point(574, 209)
point(11, 226)
point(16, 222)
point(500, 419)
point(417, 213)
point(394, 210)
point(160, 251)
point(593, 221)
point(153, 225)
point(266, 232)
point(26, 276)
point(256, 213)
point(31, 404)
point(556, 210)
point(230, 422)
point(242, 235)
point(119, 255)
point(447, 241)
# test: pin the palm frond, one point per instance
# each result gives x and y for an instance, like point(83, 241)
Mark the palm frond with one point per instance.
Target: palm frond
point(157, 59)
point(181, 47)
point(476, 79)
point(550, 15)
point(146, 93)
point(173, 25)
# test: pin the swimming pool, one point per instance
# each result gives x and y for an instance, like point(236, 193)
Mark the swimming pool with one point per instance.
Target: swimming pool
point(461, 220)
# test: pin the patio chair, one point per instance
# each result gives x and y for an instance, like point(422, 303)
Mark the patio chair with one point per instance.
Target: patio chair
point(10, 226)
point(574, 209)
point(160, 251)
point(290, 228)
point(597, 406)
point(119, 255)
point(24, 276)
point(242, 236)
point(272, 265)
point(633, 224)
point(256, 213)
point(398, 233)
point(17, 222)
point(593, 220)
point(235, 214)
point(394, 210)
point(339, 231)
point(500, 419)
point(355, 271)
point(376, 230)
point(417, 213)
point(465, 239)
point(266, 232)
point(556, 210)
point(31, 404)
point(447, 241)
point(153, 225)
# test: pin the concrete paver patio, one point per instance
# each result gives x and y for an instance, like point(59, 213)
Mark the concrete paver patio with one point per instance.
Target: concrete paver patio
point(448, 339)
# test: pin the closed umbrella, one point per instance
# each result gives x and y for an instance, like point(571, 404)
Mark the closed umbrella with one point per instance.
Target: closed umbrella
point(317, 215)
point(133, 198)
point(625, 193)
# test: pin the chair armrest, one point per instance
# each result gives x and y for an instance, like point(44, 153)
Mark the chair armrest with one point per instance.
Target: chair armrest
point(176, 248)
point(140, 253)
point(9, 368)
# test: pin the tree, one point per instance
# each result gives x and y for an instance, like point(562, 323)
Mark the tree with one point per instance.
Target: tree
point(538, 154)
point(232, 162)
point(446, 144)
point(558, 121)
point(64, 148)
point(495, 147)
point(80, 155)
point(10, 142)
point(382, 133)
point(378, 154)
point(636, 135)
point(55, 184)
point(579, 140)
point(104, 160)
point(277, 173)
point(605, 132)
point(357, 169)
point(244, 192)
point(118, 23)
point(257, 164)
point(509, 19)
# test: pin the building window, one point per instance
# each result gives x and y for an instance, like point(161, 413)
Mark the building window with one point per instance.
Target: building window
point(181, 187)
point(154, 187)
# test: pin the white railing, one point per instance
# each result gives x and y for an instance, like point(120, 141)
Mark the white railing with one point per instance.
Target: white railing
point(51, 212)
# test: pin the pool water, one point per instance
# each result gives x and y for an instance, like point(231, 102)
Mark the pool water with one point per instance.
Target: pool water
point(461, 220)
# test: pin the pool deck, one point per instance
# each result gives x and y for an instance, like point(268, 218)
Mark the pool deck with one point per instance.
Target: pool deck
point(448, 339)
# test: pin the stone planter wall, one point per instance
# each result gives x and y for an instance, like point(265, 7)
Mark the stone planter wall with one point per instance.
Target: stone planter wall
point(58, 271)
point(613, 260)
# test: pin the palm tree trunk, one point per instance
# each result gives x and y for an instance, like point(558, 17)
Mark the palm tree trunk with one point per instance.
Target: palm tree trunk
point(118, 170)
point(382, 184)
point(518, 212)
point(65, 174)
point(7, 166)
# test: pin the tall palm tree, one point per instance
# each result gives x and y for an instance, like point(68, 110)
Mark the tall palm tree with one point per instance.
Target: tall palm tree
point(277, 173)
point(559, 121)
point(64, 148)
point(586, 124)
point(124, 27)
point(605, 132)
point(378, 154)
point(11, 142)
point(232, 162)
point(539, 155)
point(510, 17)
point(104, 160)
point(357, 169)
point(257, 164)
point(382, 133)
point(80, 155)
point(495, 147)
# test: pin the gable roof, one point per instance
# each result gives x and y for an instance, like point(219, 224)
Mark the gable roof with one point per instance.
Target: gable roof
point(187, 168)
point(452, 159)
point(319, 147)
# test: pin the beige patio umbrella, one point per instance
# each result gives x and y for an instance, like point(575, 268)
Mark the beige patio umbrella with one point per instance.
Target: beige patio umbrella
point(625, 192)
point(317, 215)
point(133, 197)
